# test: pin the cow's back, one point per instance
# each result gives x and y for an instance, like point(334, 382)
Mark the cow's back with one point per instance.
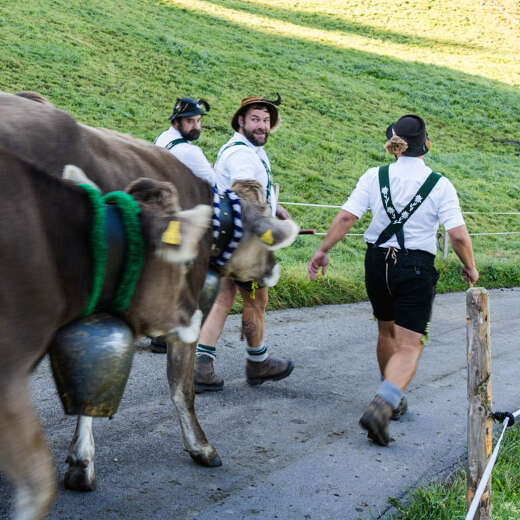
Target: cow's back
point(49, 139)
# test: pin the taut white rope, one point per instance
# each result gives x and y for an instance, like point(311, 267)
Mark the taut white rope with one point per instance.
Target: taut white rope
point(487, 472)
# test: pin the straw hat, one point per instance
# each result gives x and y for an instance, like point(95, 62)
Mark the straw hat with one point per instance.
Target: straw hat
point(272, 106)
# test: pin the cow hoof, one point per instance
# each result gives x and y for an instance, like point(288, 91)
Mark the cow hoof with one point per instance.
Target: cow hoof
point(77, 479)
point(211, 462)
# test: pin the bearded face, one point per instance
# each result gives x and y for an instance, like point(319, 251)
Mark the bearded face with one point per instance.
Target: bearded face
point(255, 124)
point(189, 127)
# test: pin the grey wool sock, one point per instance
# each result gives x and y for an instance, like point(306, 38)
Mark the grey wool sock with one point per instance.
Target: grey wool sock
point(391, 393)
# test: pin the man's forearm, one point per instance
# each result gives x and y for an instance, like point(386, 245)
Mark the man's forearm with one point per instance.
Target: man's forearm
point(340, 226)
point(461, 243)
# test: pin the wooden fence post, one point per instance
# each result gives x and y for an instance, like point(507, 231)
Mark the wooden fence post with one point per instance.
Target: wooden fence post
point(480, 427)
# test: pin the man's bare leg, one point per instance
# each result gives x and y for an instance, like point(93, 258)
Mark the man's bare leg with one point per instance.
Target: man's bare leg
point(402, 364)
point(399, 350)
point(386, 344)
point(259, 366)
point(212, 328)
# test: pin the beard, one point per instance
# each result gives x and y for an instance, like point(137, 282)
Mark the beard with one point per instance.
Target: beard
point(256, 139)
point(192, 135)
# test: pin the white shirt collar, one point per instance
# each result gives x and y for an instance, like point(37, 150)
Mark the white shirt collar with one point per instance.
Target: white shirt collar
point(175, 133)
point(409, 161)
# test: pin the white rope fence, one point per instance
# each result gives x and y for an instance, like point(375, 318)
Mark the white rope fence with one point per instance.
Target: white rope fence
point(487, 472)
point(445, 235)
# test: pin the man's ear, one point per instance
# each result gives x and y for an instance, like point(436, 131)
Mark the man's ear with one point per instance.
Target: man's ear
point(160, 195)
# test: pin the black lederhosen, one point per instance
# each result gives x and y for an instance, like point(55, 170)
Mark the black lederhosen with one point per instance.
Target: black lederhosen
point(401, 287)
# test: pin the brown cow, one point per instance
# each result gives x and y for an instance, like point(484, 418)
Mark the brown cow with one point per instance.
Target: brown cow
point(49, 139)
point(46, 277)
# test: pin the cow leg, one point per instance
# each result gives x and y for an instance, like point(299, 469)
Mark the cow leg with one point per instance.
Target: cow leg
point(80, 475)
point(181, 352)
point(24, 455)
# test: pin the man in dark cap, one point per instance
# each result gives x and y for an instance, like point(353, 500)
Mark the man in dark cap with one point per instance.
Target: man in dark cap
point(407, 201)
point(186, 120)
point(185, 128)
point(243, 158)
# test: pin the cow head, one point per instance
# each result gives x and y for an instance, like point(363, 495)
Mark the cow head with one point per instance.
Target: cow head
point(172, 237)
point(172, 234)
point(254, 259)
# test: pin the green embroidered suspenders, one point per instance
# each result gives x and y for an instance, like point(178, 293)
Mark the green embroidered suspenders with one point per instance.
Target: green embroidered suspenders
point(397, 220)
point(175, 142)
point(266, 166)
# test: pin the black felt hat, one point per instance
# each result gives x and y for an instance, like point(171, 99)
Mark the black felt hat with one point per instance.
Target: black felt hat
point(186, 106)
point(412, 129)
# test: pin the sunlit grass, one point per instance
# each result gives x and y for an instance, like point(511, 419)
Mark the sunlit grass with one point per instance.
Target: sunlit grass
point(467, 54)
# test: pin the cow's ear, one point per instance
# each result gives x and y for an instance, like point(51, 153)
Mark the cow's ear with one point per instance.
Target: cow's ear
point(182, 234)
point(174, 235)
point(75, 174)
point(155, 194)
point(276, 234)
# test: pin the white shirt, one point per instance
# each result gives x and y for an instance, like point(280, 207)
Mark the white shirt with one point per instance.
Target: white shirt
point(189, 154)
point(406, 176)
point(240, 162)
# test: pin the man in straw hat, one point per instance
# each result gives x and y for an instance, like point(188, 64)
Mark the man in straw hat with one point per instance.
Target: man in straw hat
point(186, 125)
point(243, 158)
point(407, 201)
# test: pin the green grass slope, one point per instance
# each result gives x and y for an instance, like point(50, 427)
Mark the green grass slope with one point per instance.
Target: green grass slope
point(344, 69)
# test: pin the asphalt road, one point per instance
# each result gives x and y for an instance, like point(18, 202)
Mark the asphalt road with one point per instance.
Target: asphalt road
point(291, 449)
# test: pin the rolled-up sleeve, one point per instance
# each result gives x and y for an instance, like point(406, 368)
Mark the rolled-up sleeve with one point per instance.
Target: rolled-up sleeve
point(450, 214)
point(359, 200)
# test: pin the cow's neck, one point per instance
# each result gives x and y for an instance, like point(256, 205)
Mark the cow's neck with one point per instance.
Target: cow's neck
point(117, 250)
point(116, 242)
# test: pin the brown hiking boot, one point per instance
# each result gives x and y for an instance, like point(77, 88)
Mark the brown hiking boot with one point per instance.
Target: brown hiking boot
point(398, 412)
point(205, 378)
point(375, 420)
point(271, 369)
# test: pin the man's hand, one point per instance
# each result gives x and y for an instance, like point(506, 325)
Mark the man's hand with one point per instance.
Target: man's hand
point(461, 243)
point(282, 213)
point(470, 275)
point(320, 259)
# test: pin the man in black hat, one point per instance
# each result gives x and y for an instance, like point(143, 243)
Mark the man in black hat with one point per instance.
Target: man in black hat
point(185, 128)
point(186, 120)
point(407, 201)
point(243, 158)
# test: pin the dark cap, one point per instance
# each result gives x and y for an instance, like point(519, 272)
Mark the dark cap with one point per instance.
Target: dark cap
point(412, 129)
point(272, 107)
point(186, 106)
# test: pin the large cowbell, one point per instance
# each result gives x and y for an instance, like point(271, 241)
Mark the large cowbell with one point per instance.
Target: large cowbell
point(91, 360)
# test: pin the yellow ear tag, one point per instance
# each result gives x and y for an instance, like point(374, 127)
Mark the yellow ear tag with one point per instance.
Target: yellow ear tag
point(172, 235)
point(267, 237)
